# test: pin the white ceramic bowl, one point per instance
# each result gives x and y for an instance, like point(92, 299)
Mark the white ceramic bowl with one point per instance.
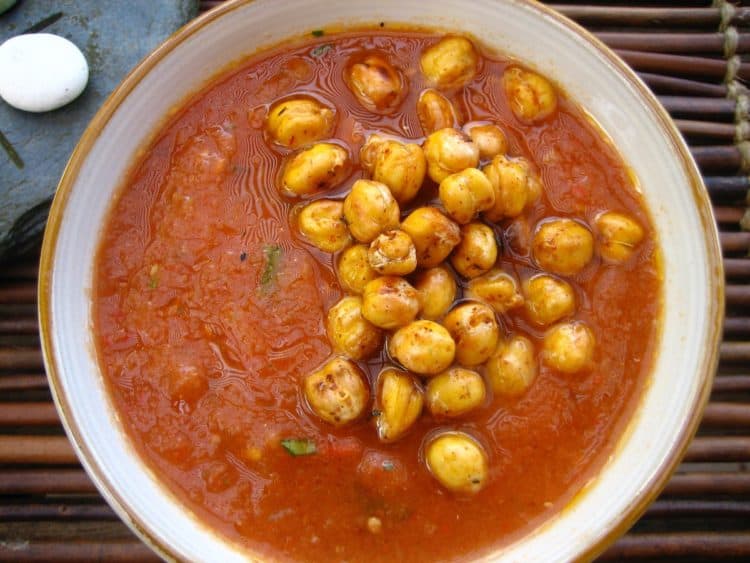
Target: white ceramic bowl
point(673, 400)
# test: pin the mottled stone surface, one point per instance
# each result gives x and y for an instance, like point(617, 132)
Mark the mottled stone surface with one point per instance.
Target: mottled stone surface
point(113, 35)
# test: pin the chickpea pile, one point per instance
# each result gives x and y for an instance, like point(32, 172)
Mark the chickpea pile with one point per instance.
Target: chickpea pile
point(424, 282)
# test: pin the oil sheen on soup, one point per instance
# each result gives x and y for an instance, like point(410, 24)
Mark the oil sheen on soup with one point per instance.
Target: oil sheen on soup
point(378, 295)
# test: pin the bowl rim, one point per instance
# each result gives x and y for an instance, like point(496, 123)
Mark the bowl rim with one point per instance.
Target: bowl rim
point(709, 359)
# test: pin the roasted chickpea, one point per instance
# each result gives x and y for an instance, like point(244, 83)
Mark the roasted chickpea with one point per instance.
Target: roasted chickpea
point(321, 167)
point(450, 63)
point(370, 209)
point(475, 331)
point(400, 166)
point(392, 253)
point(435, 111)
point(457, 461)
point(399, 403)
point(437, 291)
point(390, 302)
point(433, 234)
point(337, 392)
point(322, 223)
point(531, 96)
point(449, 151)
point(298, 122)
point(455, 392)
point(515, 186)
point(349, 332)
point(465, 194)
point(477, 251)
point(618, 235)
point(489, 139)
point(354, 268)
point(562, 246)
point(497, 289)
point(512, 367)
point(568, 347)
point(548, 299)
point(423, 347)
point(376, 83)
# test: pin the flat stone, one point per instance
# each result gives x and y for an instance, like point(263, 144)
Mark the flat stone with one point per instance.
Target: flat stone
point(113, 36)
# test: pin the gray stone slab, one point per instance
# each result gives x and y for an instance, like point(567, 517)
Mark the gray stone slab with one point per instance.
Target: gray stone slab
point(114, 35)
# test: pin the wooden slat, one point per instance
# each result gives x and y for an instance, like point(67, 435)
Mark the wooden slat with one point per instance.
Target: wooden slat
point(123, 551)
point(28, 325)
point(732, 383)
point(734, 352)
point(704, 508)
point(683, 86)
point(56, 511)
point(719, 448)
point(708, 484)
point(18, 293)
point(45, 450)
point(722, 414)
point(701, 108)
point(705, 545)
point(44, 481)
point(23, 382)
point(18, 358)
point(664, 63)
point(670, 42)
point(736, 267)
point(734, 242)
point(28, 414)
point(655, 17)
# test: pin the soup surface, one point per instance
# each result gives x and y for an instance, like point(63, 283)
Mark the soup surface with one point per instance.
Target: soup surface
point(211, 307)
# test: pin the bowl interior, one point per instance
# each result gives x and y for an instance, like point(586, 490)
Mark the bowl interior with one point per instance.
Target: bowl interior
point(598, 81)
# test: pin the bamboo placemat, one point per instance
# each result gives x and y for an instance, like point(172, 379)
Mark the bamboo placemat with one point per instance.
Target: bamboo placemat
point(696, 56)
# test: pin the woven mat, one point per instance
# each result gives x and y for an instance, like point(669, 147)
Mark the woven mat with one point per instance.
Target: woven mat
point(696, 56)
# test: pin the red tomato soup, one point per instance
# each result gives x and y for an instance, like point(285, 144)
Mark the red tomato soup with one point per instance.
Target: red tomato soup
point(216, 293)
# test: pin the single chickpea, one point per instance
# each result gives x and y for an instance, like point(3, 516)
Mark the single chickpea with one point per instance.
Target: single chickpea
point(548, 299)
point(322, 223)
point(435, 111)
point(475, 331)
point(562, 246)
point(299, 121)
point(399, 402)
point(433, 234)
point(318, 168)
point(400, 166)
point(450, 63)
point(512, 368)
point(392, 253)
point(423, 347)
point(457, 461)
point(390, 302)
point(568, 347)
point(497, 289)
point(337, 392)
point(449, 151)
point(477, 251)
point(515, 185)
point(618, 235)
point(454, 392)
point(437, 291)
point(354, 268)
point(376, 83)
point(489, 139)
point(531, 96)
point(370, 209)
point(349, 332)
point(465, 194)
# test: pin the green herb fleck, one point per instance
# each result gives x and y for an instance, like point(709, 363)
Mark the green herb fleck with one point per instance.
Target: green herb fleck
point(388, 465)
point(320, 50)
point(272, 253)
point(43, 24)
point(12, 154)
point(375, 413)
point(318, 33)
point(153, 282)
point(299, 446)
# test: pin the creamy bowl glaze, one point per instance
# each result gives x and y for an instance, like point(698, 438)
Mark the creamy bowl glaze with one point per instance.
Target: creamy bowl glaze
point(614, 97)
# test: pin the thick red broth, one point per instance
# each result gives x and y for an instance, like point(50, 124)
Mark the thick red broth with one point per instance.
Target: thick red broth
point(210, 311)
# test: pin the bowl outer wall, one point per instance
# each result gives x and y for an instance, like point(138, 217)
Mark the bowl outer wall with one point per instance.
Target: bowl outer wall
point(673, 401)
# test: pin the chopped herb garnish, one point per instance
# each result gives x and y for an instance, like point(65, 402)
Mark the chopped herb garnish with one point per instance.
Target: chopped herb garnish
point(282, 110)
point(318, 33)
point(375, 413)
point(153, 282)
point(12, 154)
point(243, 256)
point(319, 51)
point(299, 446)
point(388, 465)
point(272, 253)
point(43, 24)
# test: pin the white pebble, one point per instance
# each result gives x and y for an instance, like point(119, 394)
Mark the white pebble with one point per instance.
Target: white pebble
point(41, 72)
